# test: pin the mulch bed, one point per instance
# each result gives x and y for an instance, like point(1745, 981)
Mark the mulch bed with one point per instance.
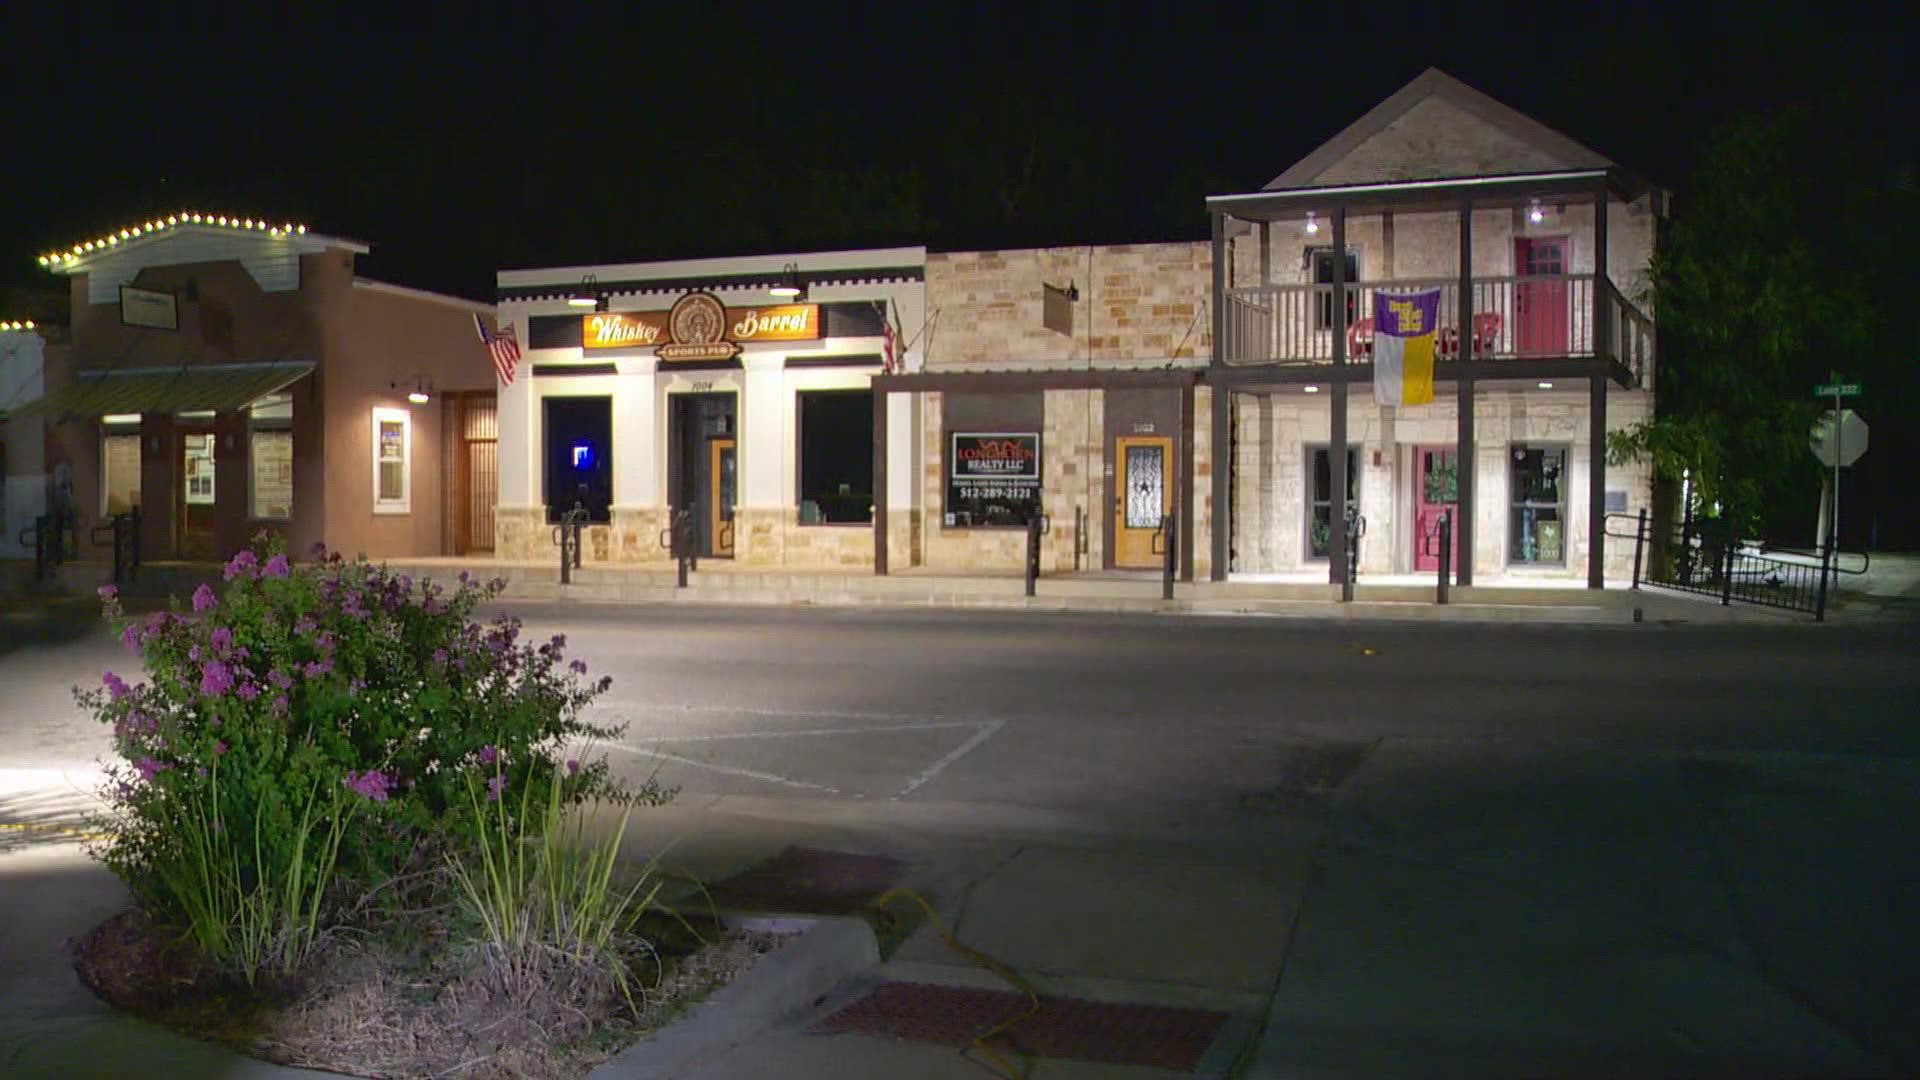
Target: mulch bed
point(365, 1007)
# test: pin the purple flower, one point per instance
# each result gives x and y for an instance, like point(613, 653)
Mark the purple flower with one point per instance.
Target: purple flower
point(193, 654)
point(324, 642)
point(372, 784)
point(117, 687)
point(317, 668)
point(280, 704)
point(465, 577)
point(318, 551)
point(150, 768)
point(215, 679)
point(578, 667)
point(108, 592)
point(573, 767)
point(498, 584)
point(603, 684)
point(248, 691)
point(277, 567)
point(495, 786)
point(221, 640)
point(354, 686)
point(559, 641)
point(203, 598)
point(439, 656)
point(280, 679)
point(487, 754)
point(305, 626)
point(131, 637)
point(240, 564)
point(220, 747)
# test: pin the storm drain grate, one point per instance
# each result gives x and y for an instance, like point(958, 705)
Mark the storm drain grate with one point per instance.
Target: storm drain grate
point(810, 880)
point(1073, 1028)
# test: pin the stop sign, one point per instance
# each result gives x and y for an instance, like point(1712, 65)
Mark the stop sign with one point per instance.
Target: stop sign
point(1849, 445)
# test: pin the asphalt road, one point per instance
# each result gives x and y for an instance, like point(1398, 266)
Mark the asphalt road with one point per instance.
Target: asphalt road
point(1501, 812)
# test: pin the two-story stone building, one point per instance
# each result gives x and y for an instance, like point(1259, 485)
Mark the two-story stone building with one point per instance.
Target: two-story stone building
point(226, 375)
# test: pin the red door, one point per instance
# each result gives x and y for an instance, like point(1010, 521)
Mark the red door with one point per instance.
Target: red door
point(1540, 297)
point(1437, 492)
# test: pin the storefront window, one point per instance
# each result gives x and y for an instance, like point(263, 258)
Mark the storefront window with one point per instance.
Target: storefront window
point(835, 433)
point(1539, 498)
point(392, 458)
point(120, 469)
point(270, 456)
point(579, 457)
point(1320, 509)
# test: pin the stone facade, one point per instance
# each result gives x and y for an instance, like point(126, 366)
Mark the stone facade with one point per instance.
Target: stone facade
point(1275, 433)
point(1140, 305)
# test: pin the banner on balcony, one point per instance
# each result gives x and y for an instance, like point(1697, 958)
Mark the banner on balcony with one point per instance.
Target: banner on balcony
point(1404, 326)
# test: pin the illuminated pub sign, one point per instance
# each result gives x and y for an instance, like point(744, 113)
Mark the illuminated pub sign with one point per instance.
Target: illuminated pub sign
point(993, 478)
point(700, 327)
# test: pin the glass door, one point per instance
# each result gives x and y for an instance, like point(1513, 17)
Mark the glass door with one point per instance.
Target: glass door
point(1143, 497)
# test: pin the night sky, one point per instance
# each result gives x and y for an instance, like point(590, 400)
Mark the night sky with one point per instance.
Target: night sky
point(461, 145)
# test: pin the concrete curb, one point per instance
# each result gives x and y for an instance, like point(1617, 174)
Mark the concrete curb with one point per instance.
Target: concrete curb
point(782, 984)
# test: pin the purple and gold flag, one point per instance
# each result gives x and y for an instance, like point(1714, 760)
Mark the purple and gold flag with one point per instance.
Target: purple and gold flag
point(1404, 326)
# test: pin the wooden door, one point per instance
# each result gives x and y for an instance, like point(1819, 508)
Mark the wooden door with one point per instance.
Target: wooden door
point(1436, 491)
point(480, 472)
point(1540, 301)
point(1143, 495)
point(721, 477)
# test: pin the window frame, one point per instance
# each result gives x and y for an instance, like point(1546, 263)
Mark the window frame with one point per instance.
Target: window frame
point(1515, 505)
point(119, 431)
point(404, 504)
point(800, 460)
point(1355, 474)
point(275, 425)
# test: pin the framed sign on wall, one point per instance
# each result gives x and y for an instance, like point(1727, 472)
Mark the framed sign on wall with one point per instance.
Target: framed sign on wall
point(150, 308)
point(993, 479)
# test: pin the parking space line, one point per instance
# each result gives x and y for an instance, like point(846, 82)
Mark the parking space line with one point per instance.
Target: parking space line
point(752, 774)
point(987, 732)
point(807, 731)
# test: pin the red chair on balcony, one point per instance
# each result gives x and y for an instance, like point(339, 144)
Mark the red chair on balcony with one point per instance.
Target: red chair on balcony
point(1486, 330)
point(1360, 339)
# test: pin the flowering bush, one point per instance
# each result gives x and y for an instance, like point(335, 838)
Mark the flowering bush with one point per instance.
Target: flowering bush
point(336, 678)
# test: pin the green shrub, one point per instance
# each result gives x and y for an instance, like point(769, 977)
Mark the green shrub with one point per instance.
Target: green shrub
point(312, 691)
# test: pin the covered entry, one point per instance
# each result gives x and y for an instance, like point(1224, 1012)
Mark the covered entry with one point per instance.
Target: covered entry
point(703, 473)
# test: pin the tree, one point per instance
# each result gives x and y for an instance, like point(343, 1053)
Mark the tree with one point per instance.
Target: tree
point(1767, 281)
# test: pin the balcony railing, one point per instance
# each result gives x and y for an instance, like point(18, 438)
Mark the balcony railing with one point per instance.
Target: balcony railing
point(1513, 317)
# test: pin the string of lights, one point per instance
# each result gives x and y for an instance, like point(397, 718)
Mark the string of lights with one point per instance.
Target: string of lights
point(171, 221)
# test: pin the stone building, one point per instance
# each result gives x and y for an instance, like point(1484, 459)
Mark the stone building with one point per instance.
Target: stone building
point(228, 375)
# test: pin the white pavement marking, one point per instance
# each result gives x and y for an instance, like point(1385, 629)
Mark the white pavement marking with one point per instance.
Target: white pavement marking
point(959, 752)
point(743, 710)
point(805, 731)
point(752, 774)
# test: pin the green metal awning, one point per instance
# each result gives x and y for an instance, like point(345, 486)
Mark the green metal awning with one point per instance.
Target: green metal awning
point(188, 388)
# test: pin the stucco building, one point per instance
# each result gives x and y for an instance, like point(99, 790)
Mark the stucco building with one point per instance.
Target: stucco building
point(227, 375)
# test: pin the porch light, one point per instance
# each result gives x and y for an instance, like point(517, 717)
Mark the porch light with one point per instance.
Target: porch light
point(1546, 386)
point(585, 296)
point(1534, 213)
point(419, 397)
point(1313, 226)
point(788, 287)
point(1311, 389)
point(421, 393)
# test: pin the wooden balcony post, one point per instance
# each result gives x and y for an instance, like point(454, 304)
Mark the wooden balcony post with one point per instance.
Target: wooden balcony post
point(1337, 407)
point(1597, 403)
point(1464, 460)
point(1270, 343)
point(880, 482)
point(1219, 287)
point(1339, 321)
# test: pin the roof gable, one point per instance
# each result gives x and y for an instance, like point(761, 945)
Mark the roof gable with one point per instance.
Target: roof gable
point(1437, 127)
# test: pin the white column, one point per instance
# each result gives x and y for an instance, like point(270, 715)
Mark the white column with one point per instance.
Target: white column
point(903, 464)
point(635, 435)
point(763, 439)
point(520, 437)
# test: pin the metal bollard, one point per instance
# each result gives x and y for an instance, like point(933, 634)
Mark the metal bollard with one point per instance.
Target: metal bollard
point(1170, 529)
point(1446, 552)
point(566, 557)
point(1033, 552)
point(1826, 567)
point(1356, 527)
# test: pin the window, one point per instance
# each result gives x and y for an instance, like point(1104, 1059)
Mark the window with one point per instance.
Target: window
point(197, 459)
point(392, 461)
point(835, 432)
point(1539, 498)
point(579, 456)
point(1322, 258)
point(270, 457)
point(1320, 507)
point(120, 469)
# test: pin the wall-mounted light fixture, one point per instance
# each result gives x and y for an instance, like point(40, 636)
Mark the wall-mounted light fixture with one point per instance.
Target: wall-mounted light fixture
point(1534, 213)
point(1313, 224)
point(1311, 389)
point(790, 286)
point(420, 389)
point(587, 295)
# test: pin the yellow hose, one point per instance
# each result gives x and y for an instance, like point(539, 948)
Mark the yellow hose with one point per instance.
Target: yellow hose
point(1014, 979)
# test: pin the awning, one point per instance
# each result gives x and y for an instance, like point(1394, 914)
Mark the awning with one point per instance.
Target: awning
point(189, 388)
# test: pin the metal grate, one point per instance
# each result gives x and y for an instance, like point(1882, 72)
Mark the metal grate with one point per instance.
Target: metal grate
point(1074, 1028)
point(809, 880)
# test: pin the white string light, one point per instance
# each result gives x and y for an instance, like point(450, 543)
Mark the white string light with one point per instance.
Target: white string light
point(143, 229)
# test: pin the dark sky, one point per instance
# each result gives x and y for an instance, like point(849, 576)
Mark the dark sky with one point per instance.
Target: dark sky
point(459, 144)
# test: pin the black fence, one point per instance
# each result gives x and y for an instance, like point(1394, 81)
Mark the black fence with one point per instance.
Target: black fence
point(1707, 556)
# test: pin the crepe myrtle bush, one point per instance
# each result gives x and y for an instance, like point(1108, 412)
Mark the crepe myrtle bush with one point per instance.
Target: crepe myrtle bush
point(333, 675)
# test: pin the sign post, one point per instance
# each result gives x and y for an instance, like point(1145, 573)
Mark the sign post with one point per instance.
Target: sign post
point(1833, 447)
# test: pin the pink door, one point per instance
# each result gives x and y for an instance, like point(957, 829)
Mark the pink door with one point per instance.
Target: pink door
point(1540, 306)
point(1437, 492)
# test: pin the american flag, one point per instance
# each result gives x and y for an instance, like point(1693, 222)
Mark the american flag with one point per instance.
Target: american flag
point(503, 346)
